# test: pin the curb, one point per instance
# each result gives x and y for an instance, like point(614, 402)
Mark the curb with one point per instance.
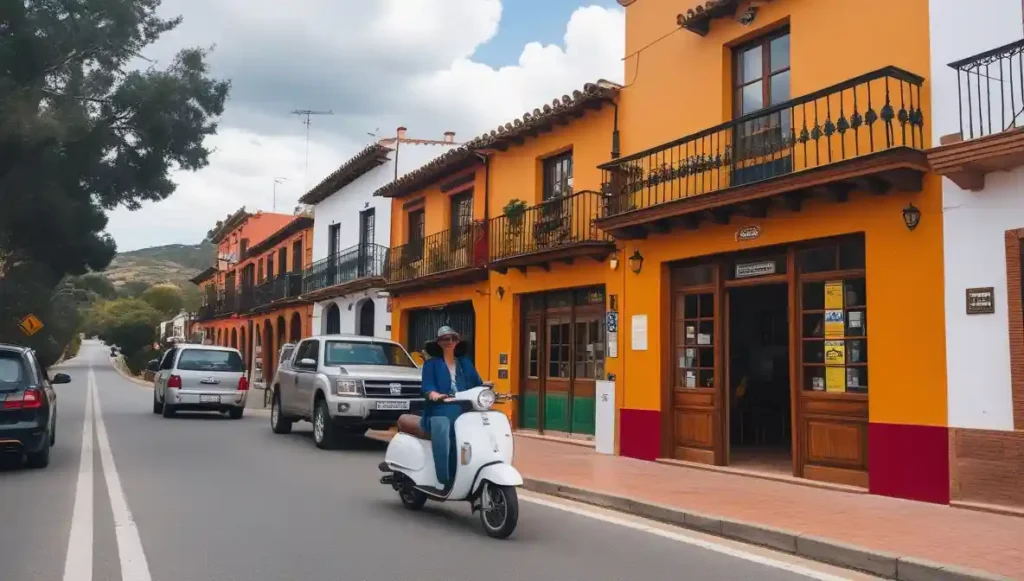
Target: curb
point(878, 563)
point(121, 372)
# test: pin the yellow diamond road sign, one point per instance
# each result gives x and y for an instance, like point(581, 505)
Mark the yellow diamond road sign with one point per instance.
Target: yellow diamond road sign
point(30, 325)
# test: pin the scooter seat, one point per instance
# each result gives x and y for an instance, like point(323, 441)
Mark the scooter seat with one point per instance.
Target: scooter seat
point(410, 424)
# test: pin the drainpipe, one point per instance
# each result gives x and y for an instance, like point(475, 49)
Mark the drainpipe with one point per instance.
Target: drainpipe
point(487, 213)
point(615, 130)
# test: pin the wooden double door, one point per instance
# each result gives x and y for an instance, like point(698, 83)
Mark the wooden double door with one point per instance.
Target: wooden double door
point(562, 355)
point(827, 317)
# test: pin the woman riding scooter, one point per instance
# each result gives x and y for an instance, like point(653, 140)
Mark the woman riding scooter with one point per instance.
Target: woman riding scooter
point(447, 372)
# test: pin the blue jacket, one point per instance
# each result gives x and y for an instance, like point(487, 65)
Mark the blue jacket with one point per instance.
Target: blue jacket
point(437, 378)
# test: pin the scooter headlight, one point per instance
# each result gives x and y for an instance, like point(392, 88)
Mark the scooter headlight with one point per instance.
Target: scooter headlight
point(485, 399)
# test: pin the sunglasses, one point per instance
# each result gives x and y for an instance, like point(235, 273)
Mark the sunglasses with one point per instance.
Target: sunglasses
point(448, 339)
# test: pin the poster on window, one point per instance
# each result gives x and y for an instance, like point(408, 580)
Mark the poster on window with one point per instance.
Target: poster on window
point(835, 379)
point(834, 327)
point(835, 353)
point(834, 294)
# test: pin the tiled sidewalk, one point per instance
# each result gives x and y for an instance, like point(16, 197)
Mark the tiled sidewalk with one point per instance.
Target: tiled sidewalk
point(952, 536)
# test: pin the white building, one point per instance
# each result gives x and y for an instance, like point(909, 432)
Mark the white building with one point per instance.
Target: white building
point(175, 328)
point(977, 103)
point(352, 233)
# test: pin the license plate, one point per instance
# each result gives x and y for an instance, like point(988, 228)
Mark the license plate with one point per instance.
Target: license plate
point(209, 399)
point(393, 405)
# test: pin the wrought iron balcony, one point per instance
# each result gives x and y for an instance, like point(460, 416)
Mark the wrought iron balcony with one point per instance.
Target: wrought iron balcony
point(845, 127)
point(990, 90)
point(444, 255)
point(362, 261)
point(246, 298)
point(227, 301)
point(206, 312)
point(279, 288)
point(559, 228)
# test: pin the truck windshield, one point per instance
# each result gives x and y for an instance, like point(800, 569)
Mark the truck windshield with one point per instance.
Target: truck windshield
point(363, 353)
point(210, 360)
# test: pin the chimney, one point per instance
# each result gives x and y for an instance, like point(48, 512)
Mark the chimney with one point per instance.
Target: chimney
point(401, 132)
point(449, 137)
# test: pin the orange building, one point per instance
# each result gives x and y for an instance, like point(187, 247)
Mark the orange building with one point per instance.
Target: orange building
point(252, 298)
point(740, 210)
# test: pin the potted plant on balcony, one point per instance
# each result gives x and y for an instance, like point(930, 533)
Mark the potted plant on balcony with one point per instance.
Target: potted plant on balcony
point(515, 211)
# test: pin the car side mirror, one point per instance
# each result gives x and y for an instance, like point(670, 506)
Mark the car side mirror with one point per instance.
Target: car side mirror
point(61, 378)
point(307, 363)
point(153, 365)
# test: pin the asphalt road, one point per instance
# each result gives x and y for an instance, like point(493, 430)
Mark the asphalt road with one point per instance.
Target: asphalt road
point(202, 497)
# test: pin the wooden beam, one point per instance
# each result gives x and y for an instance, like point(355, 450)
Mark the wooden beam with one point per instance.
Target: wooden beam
point(458, 182)
point(905, 180)
point(721, 216)
point(689, 221)
point(793, 201)
point(872, 184)
point(522, 270)
point(546, 266)
point(756, 208)
point(568, 260)
point(839, 191)
point(658, 227)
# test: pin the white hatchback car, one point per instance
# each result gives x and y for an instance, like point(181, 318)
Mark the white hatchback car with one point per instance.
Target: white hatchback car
point(199, 378)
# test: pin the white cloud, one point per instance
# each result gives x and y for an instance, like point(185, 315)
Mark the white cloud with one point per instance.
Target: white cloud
point(376, 65)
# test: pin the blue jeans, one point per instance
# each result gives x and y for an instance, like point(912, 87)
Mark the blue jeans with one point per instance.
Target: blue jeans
point(442, 439)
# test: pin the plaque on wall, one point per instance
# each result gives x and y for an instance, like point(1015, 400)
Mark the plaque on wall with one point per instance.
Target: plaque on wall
point(503, 374)
point(981, 301)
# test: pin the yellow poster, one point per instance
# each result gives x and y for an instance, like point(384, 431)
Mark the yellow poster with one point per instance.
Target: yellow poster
point(834, 294)
point(835, 353)
point(834, 327)
point(835, 379)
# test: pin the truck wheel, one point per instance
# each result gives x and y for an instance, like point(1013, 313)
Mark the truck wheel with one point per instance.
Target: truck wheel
point(278, 423)
point(325, 433)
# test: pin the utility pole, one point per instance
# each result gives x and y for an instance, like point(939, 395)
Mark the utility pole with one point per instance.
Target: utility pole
point(308, 113)
point(277, 181)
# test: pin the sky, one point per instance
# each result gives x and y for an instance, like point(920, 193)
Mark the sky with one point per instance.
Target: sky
point(429, 65)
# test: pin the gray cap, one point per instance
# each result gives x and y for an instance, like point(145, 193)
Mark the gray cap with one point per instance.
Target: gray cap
point(446, 330)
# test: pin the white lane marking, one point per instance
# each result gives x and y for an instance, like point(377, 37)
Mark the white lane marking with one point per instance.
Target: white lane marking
point(134, 566)
point(683, 538)
point(78, 563)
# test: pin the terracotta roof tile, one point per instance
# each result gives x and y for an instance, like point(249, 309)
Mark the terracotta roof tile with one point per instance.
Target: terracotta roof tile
point(224, 227)
point(370, 157)
point(500, 137)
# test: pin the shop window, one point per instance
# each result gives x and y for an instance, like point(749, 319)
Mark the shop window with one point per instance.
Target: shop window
point(558, 349)
point(695, 324)
point(589, 351)
point(533, 369)
point(834, 335)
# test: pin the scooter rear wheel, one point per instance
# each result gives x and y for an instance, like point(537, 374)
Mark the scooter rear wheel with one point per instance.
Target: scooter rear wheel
point(411, 498)
point(503, 515)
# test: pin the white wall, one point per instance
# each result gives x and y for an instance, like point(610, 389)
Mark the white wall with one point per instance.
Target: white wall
point(349, 321)
point(977, 346)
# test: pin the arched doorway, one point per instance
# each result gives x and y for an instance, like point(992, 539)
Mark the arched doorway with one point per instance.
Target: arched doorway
point(219, 338)
point(367, 323)
point(234, 338)
point(268, 352)
point(282, 331)
point(333, 319)
point(244, 348)
point(296, 328)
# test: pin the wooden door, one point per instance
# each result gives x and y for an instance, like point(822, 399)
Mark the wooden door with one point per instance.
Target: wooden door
point(532, 359)
point(697, 393)
point(588, 340)
point(557, 387)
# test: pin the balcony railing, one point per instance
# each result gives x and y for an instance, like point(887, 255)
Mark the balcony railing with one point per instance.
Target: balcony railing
point(227, 301)
point(284, 286)
point(555, 223)
point(990, 90)
point(246, 298)
point(358, 262)
point(206, 312)
point(874, 112)
point(442, 252)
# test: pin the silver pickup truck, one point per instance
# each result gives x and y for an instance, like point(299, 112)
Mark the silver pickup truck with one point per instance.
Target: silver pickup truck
point(344, 385)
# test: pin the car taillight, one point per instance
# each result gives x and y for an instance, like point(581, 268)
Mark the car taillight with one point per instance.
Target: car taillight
point(174, 381)
point(31, 399)
point(243, 384)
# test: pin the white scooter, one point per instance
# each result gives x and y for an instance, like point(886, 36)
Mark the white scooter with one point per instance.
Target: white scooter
point(484, 475)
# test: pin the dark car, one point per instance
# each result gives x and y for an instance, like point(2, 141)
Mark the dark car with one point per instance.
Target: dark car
point(28, 406)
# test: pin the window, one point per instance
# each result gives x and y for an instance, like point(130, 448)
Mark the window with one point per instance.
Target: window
point(533, 355)
point(367, 225)
point(340, 353)
point(461, 218)
point(286, 355)
point(333, 239)
point(415, 234)
point(833, 317)
point(12, 369)
point(259, 272)
point(558, 348)
point(270, 266)
point(558, 176)
point(210, 360)
point(695, 324)
point(297, 256)
point(762, 73)
point(244, 247)
point(589, 351)
point(168, 360)
point(282, 259)
point(308, 350)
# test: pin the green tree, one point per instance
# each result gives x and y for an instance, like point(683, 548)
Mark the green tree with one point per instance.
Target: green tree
point(166, 298)
point(82, 133)
point(26, 291)
point(96, 284)
point(132, 289)
point(130, 324)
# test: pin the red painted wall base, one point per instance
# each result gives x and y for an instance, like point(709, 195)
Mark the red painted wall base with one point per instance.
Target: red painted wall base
point(640, 434)
point(907, 461)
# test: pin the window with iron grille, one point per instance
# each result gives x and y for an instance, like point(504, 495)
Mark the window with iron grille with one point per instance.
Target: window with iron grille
point(415, 234)
point(461, 218)
point(558, 175)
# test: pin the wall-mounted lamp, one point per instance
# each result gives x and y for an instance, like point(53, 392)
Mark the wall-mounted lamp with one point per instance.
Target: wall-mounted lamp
point(501, 292)
point(636, 262)
point(613, 262)
point(911, 216)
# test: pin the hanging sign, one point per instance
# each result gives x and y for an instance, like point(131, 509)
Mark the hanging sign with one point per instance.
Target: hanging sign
point(752, 269)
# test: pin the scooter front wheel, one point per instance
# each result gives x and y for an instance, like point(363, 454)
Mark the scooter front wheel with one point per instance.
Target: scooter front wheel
point(411, 498)
point(499, 511)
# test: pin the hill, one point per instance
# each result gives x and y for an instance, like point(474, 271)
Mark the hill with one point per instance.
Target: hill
point(175, 263)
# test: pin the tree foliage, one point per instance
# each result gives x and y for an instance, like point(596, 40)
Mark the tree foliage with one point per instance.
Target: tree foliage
point(96, 284)
point(82, 132)
point(130, 324)
point(26, 291)
point(165, 298)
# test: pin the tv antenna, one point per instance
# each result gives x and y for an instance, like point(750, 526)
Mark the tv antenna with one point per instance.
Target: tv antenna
point(276, 182)
point(308, 113)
